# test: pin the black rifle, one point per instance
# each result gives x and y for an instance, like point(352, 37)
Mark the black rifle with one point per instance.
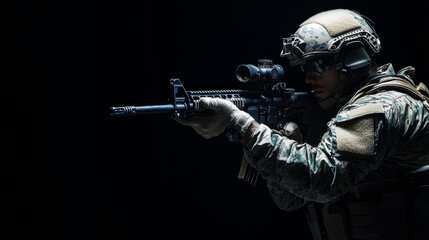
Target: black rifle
point(271, 104)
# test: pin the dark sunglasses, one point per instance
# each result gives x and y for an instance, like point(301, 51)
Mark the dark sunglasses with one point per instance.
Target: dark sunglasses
point(317, 67)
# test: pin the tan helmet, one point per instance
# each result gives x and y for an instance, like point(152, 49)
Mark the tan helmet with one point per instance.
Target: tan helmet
point(327, 33)
point(342, 38)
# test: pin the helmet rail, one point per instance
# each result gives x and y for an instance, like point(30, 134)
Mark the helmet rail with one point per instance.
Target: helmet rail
point(294, 46)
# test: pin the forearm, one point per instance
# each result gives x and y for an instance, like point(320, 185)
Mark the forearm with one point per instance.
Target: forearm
point(252, 128)
point(283, 198)
point(308, 172)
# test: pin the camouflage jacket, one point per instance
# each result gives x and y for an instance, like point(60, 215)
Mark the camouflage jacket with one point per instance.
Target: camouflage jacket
point(386, 129)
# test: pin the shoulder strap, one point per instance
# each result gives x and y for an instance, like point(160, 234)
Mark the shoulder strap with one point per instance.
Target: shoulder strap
point(423, 90)
point(393, 82)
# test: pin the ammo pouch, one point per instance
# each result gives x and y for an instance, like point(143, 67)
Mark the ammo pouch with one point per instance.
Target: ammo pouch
point(382, 209)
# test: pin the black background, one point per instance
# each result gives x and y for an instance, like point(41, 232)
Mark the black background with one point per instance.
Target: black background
point(82, 174)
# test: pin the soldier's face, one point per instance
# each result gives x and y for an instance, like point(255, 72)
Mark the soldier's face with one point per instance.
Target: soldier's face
point(323, 86)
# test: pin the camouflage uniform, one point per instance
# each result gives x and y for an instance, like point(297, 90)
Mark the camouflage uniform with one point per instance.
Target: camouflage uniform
point(385, 130)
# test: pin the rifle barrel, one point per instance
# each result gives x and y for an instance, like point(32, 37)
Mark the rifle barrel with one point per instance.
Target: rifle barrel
point(151, 109)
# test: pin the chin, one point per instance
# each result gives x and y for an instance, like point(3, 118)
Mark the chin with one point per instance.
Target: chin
point(320, 98)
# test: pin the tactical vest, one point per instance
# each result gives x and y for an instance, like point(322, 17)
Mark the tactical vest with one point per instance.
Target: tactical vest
point(396, 208)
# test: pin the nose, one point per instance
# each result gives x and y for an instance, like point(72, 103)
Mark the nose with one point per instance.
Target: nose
point(310, 78)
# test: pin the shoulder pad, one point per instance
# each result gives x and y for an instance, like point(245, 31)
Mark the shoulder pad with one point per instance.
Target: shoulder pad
point(355, 130)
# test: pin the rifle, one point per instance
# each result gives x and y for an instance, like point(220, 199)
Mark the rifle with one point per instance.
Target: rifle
point(271, 103)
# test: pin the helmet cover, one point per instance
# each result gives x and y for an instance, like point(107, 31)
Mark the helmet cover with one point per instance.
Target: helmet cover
point(326, 33)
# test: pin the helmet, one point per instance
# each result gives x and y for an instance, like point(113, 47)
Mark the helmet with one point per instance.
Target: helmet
point(326, 33)
point(341, 38)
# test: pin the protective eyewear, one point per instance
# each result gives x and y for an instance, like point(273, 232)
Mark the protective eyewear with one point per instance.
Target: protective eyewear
point(317, 67)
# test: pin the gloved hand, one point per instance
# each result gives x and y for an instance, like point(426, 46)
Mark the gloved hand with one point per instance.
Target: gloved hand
point(292, 131)
point(221, 114)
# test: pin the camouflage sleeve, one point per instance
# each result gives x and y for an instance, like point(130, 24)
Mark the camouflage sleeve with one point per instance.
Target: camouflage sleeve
point(321, 173)
point(284, 199)
point(386, 128)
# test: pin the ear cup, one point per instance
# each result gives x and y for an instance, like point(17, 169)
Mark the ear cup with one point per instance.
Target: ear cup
point(357, 65)
point(356, 62)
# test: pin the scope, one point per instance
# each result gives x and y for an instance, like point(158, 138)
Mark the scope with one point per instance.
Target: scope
point(266, 71)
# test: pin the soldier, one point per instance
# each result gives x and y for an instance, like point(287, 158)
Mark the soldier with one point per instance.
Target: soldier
point(356, 182)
